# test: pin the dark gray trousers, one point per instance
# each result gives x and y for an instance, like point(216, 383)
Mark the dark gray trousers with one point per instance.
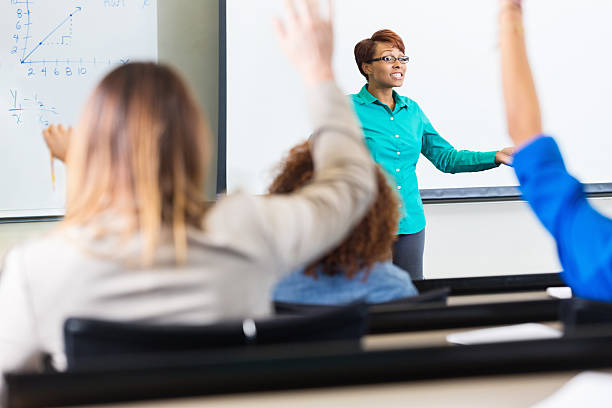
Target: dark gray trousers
point(408, 253)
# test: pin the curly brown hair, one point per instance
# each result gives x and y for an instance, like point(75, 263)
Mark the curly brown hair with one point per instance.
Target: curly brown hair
point(369, 242)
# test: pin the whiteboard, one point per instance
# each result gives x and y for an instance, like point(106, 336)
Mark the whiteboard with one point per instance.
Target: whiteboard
point(52, 55)
point(453, 75)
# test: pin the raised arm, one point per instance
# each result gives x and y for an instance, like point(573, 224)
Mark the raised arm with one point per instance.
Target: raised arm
point(450, 160)
point(306, 224)
point(522, 107)
point(583, 236)
point(289, 230)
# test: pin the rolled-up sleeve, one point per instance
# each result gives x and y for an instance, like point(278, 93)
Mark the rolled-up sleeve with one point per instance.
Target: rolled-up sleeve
point(448, 159)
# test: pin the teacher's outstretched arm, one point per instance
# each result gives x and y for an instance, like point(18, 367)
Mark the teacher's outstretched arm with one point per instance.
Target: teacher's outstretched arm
point(522, 107)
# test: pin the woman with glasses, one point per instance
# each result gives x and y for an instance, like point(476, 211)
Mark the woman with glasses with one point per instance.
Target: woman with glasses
point(397, 132)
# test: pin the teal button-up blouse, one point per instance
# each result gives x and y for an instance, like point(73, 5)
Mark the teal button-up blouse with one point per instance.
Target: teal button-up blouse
point(397, 138)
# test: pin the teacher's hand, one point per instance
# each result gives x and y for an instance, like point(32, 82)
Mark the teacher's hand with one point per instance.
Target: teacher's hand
point(504, 156)
point(57, 138)
point(308, 39)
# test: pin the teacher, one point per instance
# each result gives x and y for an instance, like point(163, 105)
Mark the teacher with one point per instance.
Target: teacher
point(397, 132)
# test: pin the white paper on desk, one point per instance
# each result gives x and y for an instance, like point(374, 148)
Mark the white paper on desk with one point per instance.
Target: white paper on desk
point(517, 332)
point(562, 292)
point(588, 389)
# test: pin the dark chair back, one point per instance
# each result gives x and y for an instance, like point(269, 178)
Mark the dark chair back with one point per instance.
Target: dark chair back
point(86, 339)
point(577, 314)
point(434, 297)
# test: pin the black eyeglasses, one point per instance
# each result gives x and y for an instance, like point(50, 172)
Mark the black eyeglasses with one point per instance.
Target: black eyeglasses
point(390, 59)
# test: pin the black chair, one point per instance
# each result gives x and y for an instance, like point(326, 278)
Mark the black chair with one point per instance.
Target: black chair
point(435, 297)
point(579, 314)
point(87, 340)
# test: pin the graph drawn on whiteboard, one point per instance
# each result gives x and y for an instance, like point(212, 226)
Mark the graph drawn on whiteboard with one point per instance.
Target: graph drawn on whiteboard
point(47, 50)
point(52, 55)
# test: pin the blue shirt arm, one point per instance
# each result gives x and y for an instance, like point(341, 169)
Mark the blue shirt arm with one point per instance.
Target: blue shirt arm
point(448, 159)
point(583, 236)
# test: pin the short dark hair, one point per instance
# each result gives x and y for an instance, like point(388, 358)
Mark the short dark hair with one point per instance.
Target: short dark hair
point(365, 49)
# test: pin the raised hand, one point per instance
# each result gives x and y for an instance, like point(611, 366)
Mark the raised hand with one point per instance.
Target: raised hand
point(307, 38)
point(515, 3)
point(522, 107)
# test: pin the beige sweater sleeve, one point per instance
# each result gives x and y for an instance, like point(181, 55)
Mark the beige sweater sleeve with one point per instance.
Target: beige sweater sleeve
point(287, 231)
point(18, 337)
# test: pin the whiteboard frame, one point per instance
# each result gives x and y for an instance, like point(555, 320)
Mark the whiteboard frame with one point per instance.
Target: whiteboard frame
point(25, 219)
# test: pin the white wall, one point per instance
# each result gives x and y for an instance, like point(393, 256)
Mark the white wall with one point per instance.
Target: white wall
point(189, 40)
point(494, 238)
point(491, 238)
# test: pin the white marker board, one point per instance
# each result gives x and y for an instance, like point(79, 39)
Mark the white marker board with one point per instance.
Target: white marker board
point(52, 55)
point(453, 74)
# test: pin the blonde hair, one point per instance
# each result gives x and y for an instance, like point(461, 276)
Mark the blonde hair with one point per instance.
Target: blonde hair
point(140, 149)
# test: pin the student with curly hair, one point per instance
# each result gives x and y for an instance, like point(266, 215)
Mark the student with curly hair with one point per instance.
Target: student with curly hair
point(360, 268)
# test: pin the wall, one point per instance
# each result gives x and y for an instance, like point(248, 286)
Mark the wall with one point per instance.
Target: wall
point(189, 41)
point(495, 238)
point(491, 238)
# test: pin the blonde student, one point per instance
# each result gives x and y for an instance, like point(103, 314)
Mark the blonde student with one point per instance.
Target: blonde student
point(139, 243)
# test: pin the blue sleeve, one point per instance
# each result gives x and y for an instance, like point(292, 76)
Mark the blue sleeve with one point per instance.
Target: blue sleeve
point(583, 236)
